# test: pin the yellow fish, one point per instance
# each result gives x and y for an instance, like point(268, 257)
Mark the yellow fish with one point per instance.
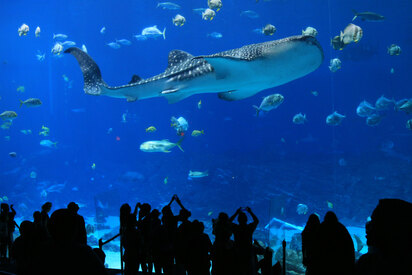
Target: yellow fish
point(151, 129)
point(197, 133)
point(65, 78)
point(199, 104)
point(21, 89)
point(94, 166)
point(165, 180)
point(330, 205)
point(210, 213)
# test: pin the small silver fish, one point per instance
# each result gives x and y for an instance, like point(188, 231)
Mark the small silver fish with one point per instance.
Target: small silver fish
point(250, 14)
point(168, 6)
point(124, 42)
point(113, 45)
point(216, 35)
point(60, 36)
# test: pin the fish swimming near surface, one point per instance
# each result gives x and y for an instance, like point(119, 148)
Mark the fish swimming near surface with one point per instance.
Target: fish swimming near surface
point(234, 74)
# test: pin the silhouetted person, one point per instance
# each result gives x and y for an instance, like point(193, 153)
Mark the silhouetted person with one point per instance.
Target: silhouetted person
point(23, 249)
point(40, 231)
point(310, 245)
point(45, 209)
point(7, 227)
point(198, 250)
point(336, 250)
point(144, 227)
point(243, 236)
point(131, 239)
point(155, 237)
point(63, 255)
point(81, 236)
point(223, 256)
point(168, 238)
point(389, 240)
point(183, 235)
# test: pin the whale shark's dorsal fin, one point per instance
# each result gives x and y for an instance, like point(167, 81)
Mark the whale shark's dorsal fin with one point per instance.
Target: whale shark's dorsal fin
point(135, 78)
point(177, 56)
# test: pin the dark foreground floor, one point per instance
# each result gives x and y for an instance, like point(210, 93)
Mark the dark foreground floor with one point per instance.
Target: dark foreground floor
point(10, 269)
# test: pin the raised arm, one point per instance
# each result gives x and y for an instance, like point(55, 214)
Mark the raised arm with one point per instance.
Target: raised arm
point(173, 198)
point(180, 203)
point(135, 209)
point(231, 219)
point(255, 219)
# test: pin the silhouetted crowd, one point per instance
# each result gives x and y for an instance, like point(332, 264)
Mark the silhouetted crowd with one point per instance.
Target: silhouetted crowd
point(174, 245)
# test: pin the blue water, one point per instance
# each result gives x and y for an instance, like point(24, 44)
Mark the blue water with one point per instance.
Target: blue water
point(248, 163)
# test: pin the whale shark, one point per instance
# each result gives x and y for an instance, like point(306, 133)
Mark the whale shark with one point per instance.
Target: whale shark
point(234, 74)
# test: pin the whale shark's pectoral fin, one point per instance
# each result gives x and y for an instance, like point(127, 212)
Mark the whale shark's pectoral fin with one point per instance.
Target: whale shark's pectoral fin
point(236, 95)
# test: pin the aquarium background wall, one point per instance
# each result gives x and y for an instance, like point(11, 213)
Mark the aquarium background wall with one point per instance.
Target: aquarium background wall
point(265, 162)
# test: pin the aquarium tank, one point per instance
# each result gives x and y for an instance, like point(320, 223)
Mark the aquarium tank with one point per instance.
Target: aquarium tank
point(286, 107)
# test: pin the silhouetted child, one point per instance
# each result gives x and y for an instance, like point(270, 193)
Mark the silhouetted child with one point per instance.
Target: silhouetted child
point(243, 236)
point(310, 245)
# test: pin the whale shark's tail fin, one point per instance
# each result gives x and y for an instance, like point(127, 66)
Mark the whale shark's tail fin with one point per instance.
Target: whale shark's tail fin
point(93, 81)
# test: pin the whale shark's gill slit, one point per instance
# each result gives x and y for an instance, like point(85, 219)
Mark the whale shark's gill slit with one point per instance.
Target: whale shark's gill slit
point(91, 73)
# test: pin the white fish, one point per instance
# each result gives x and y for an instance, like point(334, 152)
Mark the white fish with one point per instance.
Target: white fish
point(60, 36)
point(299, 118)
point(384, 103)
point(140, 37)
point(373, 120)
point(113, 45)
point(365, 109)
point(162, 146)
point(215, 35)
point(250, 14)
point(103, 30)
point(199, 11)
point(124, 42)
point(335, 64)
point(84, 48)
point(57, 49)
point(198, 174)
point(334, 119)
point(168, 6)
point(302, 209)
point(269, 102)
point(40, 56)
point(37, 32)
point(153, 32)
point(68, 44)
point(310, 31)
point(48, 143)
